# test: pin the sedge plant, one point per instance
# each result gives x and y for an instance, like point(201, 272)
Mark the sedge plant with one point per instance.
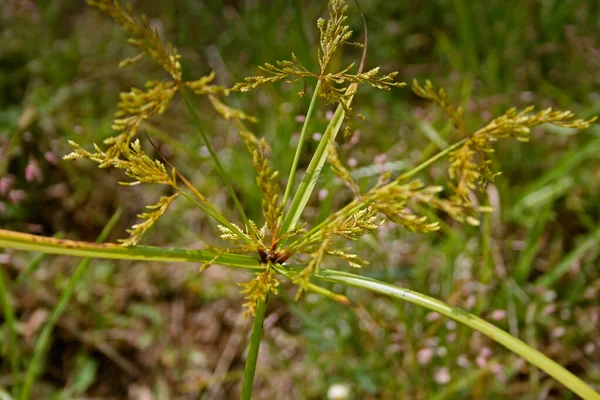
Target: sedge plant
point(283, 245)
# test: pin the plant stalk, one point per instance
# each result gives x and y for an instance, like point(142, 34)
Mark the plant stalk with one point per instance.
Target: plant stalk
point(303, 134)
point(42, 244)
point(309, 180)
point(11, 338)
point(430, 161)
point(252, 357)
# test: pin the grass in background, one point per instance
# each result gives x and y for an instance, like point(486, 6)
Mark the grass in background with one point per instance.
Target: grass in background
point(488, 55)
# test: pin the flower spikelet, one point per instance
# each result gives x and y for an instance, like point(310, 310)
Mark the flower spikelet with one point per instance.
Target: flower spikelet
point(348, 226)
point(319, 244)
point(302, 279)
point(142, 36)
point(469, 166)
point(258, 289)
point(266, 178)
point(334, 32)
point(455, 114)
point(134, 107)
point(228, 112)
point(133, 161)
point(392, 200)
point(339, 169)
point(335, 86)
point(202, 86)
point(229, 235)
point(360, 223)
point(138, 230)
point(352, 259)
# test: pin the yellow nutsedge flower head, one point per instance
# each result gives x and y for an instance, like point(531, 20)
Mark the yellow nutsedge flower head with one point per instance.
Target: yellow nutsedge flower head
point(335, 87)
point(469, 166)
point(228, 112)
point(392, 201)
point(258, 289)
point(266, 178)
point(334, 32)
point(142, 36)
point(338, 167)
point(133, 161)
point(352, 259)
point(138, 230)
point(228, 234)
point(455, 114)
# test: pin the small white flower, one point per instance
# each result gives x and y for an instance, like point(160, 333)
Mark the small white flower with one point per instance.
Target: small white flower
point(338, 391)
point(442, 376)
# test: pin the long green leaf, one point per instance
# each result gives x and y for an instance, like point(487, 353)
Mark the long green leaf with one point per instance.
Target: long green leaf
point(548, 280)
point(517, 346)
point(10, 326)
point(309, 180)
point(42, 244)
point(300, 146)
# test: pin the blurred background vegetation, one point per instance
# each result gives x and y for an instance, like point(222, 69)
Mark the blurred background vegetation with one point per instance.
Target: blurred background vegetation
point(155, 331)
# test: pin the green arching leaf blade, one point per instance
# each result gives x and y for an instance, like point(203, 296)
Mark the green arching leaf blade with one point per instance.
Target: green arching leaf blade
point(8, 312)
point(515, 345)
point(42, 244)
point(300, 146)
point(309, 180)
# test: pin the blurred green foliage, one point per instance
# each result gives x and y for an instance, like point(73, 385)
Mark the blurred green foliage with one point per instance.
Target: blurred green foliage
point(532, 268)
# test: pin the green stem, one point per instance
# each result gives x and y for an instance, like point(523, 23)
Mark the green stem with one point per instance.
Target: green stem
point(42, 244)
point(252, 357)
point(311, 287)
point(214, 156)
point(43, 342)
point(309, 180)
point(303, 134)
point(430, 161)
point(352, 207)
point(217, 216)
point(11, 337)
point(34, 263)
point(515, 345)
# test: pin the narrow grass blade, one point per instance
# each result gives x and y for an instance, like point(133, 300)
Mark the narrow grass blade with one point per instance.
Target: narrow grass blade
point(548, 280)
point(42, 244)
point(309, 180)
point(299, 148)
point(10, 327)
point(517, 346)
point(563, 168)
point(533, 241)
point(43, 341)
point(466, 34)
